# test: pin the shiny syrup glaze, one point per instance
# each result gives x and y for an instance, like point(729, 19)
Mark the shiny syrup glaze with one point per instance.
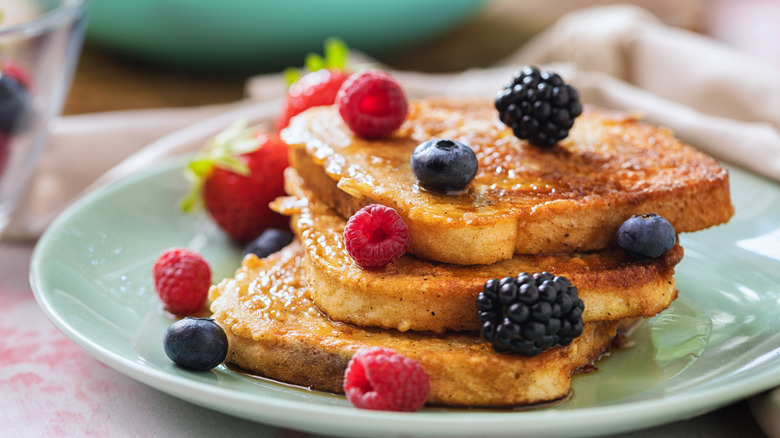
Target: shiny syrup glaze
point(406, 293)
point(320, 230)
point(271, 297)
point(605, 155)
point(268, 301)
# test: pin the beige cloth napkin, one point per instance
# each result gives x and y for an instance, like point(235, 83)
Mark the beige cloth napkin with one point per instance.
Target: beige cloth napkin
point(719, 100)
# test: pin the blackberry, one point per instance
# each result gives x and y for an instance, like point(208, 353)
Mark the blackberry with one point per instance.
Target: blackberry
point(538, 106)
point(529, 313)
point(646, 236)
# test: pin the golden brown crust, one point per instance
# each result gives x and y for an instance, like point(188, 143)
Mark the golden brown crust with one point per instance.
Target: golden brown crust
point(415, 294)
point(274, 330)
point(524, 200)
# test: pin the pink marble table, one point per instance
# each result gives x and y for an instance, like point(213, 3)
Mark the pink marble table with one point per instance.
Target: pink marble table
point(49, 387)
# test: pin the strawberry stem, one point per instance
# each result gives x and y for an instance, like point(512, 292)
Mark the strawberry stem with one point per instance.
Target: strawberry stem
point(336, 54)
point(336, 57)
point(314, 62)
point(223, 151)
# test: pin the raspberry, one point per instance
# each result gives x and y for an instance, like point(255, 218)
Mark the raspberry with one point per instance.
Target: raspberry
point(381, 379)
point(372, 103)
point(375, 235)
point(182, 279)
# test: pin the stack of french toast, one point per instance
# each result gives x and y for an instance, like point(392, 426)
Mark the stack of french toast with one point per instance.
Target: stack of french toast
point(299, 315)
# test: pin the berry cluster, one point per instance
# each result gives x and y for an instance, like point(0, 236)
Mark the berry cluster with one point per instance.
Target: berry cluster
point(371, 102)
point(528, 314)
point(538, 106)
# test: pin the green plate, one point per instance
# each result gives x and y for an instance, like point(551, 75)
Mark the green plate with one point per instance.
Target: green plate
point(719, 342)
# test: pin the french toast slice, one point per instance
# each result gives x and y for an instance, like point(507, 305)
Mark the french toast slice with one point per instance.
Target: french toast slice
point(420, 295)
point(524, 199)
point(275, 330)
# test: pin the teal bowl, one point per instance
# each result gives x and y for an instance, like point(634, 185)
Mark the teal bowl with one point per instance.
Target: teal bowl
point(264, 35)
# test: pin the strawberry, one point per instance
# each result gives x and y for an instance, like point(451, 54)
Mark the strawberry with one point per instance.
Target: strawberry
point(317, 87)
point(236, 176)
point(313, 89)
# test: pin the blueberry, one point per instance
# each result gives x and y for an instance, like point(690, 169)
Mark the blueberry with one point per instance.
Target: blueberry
point(196, 343)
point(15, 106)
point(267, 243)
point(444, 165)
point(646, 235)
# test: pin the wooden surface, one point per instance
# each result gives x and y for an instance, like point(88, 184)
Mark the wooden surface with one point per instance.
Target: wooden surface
point(105, 81)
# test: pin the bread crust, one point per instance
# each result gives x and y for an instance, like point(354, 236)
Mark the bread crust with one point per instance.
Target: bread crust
point(415, 294)
point(524, 199)
point(275, 330)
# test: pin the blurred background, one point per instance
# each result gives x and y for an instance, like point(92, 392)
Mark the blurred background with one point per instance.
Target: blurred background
point(153, 54)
